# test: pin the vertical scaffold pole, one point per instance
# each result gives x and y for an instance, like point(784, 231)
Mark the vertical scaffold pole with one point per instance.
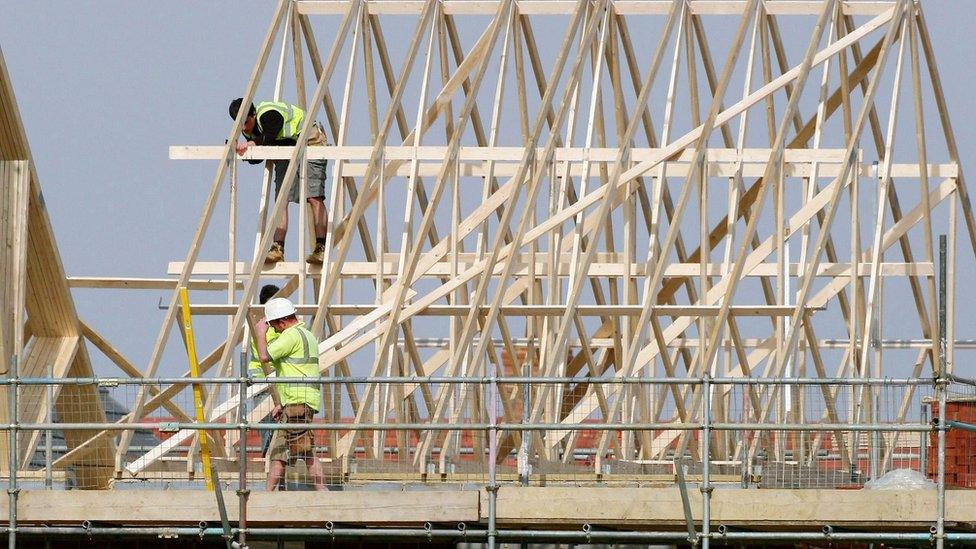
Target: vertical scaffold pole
point(49, 434)
point(940, 389)
point(523, 452)
point(706, 487)
point(242, 491)
point(12, 489)
point(492, 454)
point(48, 439)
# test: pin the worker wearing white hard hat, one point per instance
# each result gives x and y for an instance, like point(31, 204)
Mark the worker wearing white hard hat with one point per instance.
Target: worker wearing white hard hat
point(254, 368)
point(278, 308)
point(293, 354)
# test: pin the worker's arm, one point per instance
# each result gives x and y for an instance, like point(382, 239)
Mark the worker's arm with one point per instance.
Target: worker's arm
point(261, 345)
point(261, 342)
point(271, 124)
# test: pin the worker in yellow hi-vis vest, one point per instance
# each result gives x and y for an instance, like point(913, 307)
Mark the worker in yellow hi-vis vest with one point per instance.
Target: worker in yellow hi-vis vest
point(254, 369)
point(279, 124)
point(293, 354)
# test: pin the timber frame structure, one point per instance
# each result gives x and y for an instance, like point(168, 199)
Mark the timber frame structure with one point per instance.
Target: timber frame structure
point(555, 240)
point(583, 234)
point(40, 333)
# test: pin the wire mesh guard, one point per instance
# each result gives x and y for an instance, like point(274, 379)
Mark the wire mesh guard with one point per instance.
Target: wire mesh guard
point(761, 433)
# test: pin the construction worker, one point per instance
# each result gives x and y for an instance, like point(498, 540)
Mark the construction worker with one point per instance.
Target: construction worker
point(293, 354)
point(278, 123)
point(254, 369)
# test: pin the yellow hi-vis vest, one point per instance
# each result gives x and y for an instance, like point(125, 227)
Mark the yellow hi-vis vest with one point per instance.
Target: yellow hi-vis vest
point(293, 118)
point(295, 353)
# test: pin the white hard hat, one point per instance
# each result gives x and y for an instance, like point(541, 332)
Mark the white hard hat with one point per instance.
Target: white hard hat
point(278, 307)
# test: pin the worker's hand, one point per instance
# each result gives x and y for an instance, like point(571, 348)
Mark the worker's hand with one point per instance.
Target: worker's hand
point(261, 327)
point(242, 147)
point(276, 413)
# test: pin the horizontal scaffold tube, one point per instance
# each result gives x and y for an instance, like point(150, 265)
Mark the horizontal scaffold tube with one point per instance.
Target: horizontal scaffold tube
point(486, 380)
point(168, 426)
point(461, 533)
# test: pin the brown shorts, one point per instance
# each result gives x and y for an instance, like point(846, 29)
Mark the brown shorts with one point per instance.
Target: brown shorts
point(288, 445)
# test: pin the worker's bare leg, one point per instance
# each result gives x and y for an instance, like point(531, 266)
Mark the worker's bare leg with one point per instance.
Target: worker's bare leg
point(275, 472)
point(315, 471)
point(319, 215)
point(317, 205)
point(282, 228)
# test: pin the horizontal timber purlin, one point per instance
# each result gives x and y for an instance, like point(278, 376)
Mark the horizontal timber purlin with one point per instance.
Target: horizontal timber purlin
point(565, 7)
point(604, 266)
point(725, 170)
point(472, 161)
point(526, 310)
point(133, 283)
point(509, 154)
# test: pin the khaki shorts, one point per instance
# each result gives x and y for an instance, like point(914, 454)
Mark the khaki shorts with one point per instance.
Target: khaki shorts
point(314, 174)
point(288, 445)
point(314, 179)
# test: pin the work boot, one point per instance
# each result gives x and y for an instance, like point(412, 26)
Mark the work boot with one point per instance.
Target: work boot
point(317, 257)
point(275, 254)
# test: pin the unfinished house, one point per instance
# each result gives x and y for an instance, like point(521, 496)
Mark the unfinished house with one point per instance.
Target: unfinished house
point(597, 272)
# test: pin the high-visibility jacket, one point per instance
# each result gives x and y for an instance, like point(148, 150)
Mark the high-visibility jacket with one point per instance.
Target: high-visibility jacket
point(295, 353)
point(292, 114)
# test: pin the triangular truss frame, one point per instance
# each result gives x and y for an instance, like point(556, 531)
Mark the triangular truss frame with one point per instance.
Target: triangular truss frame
point(583, 256)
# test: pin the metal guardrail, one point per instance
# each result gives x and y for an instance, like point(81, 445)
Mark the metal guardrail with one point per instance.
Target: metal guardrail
point(706, 427)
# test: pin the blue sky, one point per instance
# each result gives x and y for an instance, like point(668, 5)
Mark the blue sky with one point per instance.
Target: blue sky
point(105, 87)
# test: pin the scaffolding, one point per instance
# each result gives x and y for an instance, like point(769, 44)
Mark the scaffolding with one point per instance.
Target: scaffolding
point(651, 285)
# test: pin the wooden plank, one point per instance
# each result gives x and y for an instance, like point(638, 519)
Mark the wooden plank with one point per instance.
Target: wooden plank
point(264, 508)
point(7, 200)
point(565, 7)
point(132, 283)
point(648, 507)
point(922, 153)
point(754, 508)
point(18, 215)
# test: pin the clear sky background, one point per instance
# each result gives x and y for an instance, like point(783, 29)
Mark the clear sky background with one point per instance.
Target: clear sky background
point(105, 87)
